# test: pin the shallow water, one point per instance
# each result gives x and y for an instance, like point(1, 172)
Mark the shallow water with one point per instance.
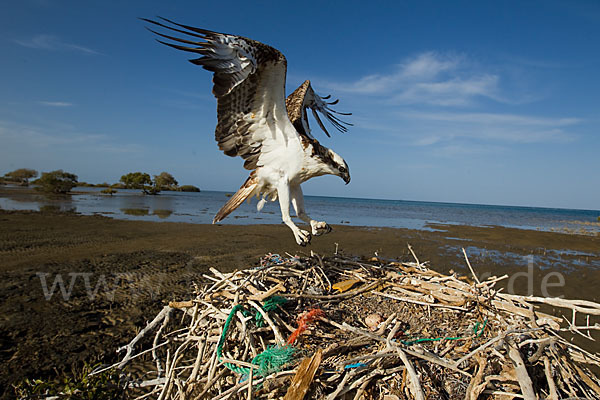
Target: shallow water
point(201, 207)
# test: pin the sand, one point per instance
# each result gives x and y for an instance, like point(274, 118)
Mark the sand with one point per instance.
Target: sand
point(146, 264)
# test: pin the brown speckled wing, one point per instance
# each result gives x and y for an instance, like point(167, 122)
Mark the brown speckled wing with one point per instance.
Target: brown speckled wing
point(304, 98)
point(238, 64)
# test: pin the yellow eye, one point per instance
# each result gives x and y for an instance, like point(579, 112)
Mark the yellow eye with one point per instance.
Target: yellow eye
point(342, 169)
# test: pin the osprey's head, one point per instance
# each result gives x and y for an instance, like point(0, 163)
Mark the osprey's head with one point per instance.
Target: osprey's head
point(339, 166)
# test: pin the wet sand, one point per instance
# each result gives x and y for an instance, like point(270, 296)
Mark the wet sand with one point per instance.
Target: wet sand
point(146, 264)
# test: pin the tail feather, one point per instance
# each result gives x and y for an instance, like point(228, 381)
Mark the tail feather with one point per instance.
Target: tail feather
point(245, 191)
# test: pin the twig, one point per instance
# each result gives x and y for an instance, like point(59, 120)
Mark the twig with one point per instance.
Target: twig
point(470, 267)
point(520, 370)
point(129, 347)
point(414, 379)
point(278, 337)
point(551, 385)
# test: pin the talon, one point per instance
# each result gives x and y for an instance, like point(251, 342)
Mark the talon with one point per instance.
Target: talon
point(320, 228)
point(302, 237)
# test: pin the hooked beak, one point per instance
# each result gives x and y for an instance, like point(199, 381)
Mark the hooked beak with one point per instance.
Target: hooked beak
point(346, 178)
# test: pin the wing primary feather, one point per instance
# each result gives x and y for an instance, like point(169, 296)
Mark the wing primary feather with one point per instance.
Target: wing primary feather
point(193, 29)
point(339, 113)
point(173, 29)
point(175, 38)
point(333, 117)
point(314, 113)
point(184, 48)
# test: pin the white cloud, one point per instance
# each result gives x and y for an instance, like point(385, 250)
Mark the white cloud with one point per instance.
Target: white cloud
point(455, 92)
point(429, 78)
point(55, 103)
point(450, 104)
point(429, 65)
point(424, 67)
point(53, 43)
point(434, 128)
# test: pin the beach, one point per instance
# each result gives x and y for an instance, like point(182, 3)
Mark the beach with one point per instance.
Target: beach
point(123, 271)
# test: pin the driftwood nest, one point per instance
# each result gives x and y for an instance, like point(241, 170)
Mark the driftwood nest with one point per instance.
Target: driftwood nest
point(338, 327)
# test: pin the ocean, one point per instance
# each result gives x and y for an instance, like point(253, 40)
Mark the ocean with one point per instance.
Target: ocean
point(201, 207)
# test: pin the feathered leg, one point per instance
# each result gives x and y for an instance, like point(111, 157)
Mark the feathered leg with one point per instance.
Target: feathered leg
point(317, 227)
point(283, 192)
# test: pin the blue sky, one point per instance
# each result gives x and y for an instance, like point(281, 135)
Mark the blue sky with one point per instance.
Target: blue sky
point(476, 102)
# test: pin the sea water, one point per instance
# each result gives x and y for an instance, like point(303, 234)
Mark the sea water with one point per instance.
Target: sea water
point(201, 208)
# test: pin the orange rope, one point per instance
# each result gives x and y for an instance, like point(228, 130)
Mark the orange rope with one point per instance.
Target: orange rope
point(303, 322)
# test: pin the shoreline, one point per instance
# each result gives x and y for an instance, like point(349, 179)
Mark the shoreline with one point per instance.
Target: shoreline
point(147, 264)
point(198, 208)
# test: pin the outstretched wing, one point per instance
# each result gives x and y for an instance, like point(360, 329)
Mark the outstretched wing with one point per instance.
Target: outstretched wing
point(305, 98)
point(249, 84)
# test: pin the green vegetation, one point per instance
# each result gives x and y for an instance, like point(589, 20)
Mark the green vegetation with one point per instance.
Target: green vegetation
point(140, 180)
point(21, 176)
point(165, 181)
point(58, 181)
point(80, 385)
point(93, 185)
point(62, 182)
point(136, 180)
point(188, 188)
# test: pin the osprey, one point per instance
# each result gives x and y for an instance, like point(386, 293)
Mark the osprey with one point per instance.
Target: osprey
point(257, 122)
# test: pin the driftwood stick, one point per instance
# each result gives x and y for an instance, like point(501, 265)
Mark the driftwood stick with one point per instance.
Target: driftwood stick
point(553, 395)
point(341, 385)
point(520, 370)
point(362, 388)
point(244, 385)
point(350, 328)
point(99, 371)
point(155, 357)
point(436, 360)
point(199, 356)
point(339, 296)
point(381, 354)
point(129, 347)
point(581, 306)
point(475, 386)
point(414, 378)
point(492, 341)
point(470, 267)
point(413, 254)
point(250, 379)
point(280, 340)
point(211, 369)
point(211, 382)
